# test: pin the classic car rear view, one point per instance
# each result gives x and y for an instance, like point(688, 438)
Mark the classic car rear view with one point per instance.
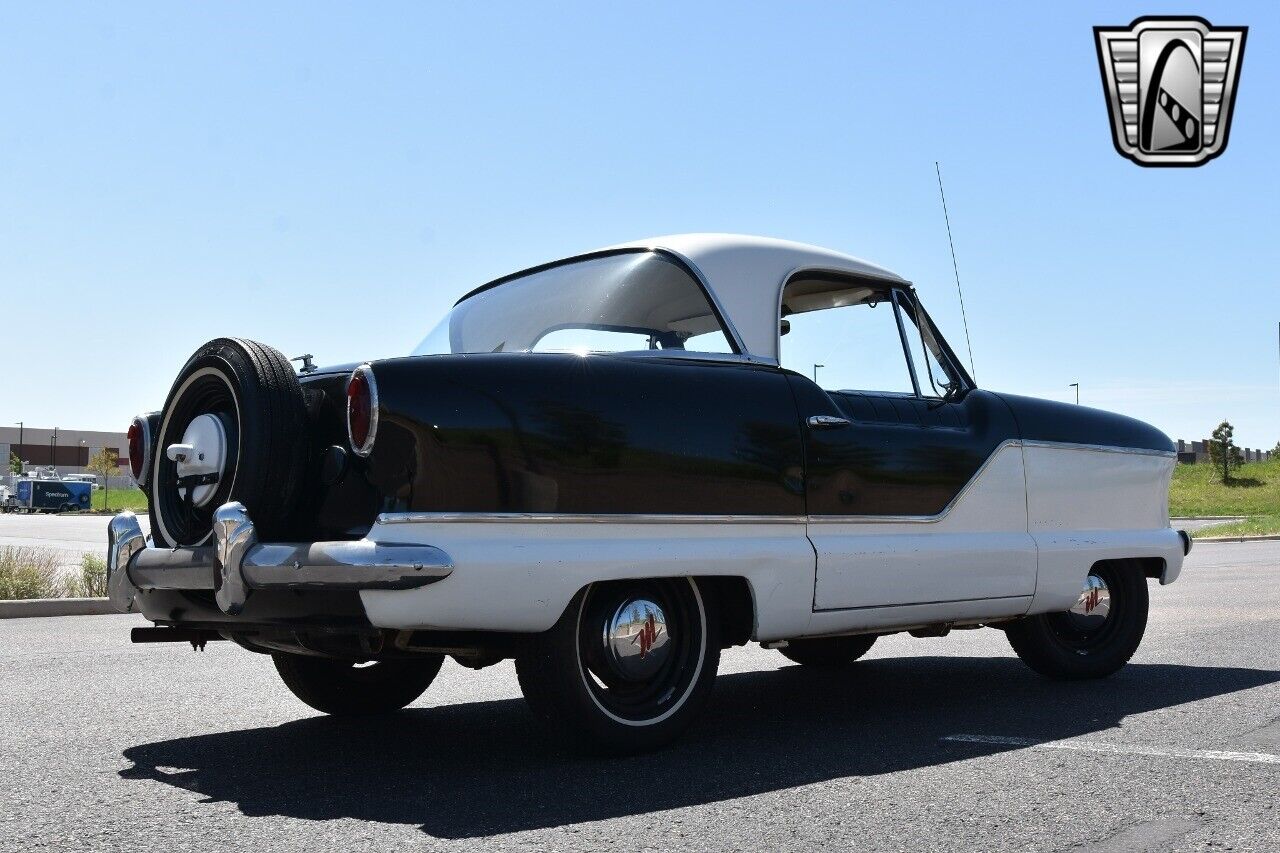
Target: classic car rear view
point(611, 467)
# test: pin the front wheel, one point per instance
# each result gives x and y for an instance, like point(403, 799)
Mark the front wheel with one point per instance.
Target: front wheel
point(628, 667)
point(346, 688)
point(1095, 637)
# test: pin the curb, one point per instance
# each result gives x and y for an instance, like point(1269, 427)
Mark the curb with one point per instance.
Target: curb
point(56, 607)
point(1267, 538)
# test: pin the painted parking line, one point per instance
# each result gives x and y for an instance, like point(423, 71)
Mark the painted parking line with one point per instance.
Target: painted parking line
point(1118, 748)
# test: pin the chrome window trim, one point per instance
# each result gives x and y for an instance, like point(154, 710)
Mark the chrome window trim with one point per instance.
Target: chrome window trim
point(891, 282)
point(726, 321)
point(683, 355)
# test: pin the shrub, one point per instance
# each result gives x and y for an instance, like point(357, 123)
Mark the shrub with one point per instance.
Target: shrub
point(92, 580)
point(29, 573)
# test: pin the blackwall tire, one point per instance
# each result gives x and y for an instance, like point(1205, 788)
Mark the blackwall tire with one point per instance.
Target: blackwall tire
point(252, 390)
point(828, 652)
point(1054, 645)
point(346, 689)
point(570, 688)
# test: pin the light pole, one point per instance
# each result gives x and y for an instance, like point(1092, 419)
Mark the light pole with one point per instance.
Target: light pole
point(1076, 385)
point(21, 434)
point(53, 446)
point(815, 372)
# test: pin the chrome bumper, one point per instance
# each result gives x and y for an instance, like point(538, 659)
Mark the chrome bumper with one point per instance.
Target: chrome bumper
point(237, 563)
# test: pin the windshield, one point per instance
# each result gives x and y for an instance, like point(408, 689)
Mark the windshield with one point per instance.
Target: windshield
point(615, 303)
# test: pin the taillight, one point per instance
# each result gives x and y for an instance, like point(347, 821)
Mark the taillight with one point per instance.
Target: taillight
point(362, 410)
point(139, 437)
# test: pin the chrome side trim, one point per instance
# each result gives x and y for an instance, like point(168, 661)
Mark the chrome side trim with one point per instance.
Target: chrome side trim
point(1100, 448)
point(923, 603)
point(580, 518)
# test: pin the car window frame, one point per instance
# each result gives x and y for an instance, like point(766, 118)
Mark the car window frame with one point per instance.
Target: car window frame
point(899, 293)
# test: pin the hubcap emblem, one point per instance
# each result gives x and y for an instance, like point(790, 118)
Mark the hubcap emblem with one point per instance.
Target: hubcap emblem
point(1094, 604)
point(637, 639)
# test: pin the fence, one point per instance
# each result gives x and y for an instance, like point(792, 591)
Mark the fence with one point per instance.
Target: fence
point(1191, 452)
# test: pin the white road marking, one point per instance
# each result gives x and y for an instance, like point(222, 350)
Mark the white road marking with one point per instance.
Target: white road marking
point(1118, 748)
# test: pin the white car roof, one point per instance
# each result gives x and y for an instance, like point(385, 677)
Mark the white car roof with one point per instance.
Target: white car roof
point(745, 276)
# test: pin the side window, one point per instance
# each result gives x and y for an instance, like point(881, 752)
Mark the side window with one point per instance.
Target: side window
point(844, 332)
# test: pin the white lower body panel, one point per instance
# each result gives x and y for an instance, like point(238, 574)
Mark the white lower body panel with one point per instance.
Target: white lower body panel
point(520, 575)
point(1088, 504)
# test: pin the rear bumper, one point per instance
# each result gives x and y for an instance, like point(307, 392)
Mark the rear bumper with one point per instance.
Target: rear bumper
point(237, 564)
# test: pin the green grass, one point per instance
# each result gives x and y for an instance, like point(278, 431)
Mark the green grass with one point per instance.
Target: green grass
point(1198, 490)
point(1260, 525)
point(132, 499)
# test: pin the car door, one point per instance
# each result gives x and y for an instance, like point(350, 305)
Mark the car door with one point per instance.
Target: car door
point(914, 497)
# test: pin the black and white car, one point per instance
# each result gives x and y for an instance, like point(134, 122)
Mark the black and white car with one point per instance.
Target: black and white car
point(603, 468)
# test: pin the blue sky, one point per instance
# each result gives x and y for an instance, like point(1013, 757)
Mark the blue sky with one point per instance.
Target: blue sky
point(329, 178)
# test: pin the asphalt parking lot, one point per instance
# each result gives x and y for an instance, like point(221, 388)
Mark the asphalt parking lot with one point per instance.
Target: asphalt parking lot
point(938, 744)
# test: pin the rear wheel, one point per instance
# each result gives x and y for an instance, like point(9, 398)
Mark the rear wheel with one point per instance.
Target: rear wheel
point(828, 651)
point(346, 688)
point(628, 667)
point(1095, 637)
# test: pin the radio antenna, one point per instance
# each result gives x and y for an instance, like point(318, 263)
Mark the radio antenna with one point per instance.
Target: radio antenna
point(956, 268)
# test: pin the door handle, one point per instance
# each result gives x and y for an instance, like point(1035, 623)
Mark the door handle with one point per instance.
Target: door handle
point(827, 422)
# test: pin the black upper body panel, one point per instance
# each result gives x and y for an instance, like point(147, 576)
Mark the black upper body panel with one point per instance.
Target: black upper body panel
point(613, 434)
point(1046, 420)
point(540, 433)
point(899, 455)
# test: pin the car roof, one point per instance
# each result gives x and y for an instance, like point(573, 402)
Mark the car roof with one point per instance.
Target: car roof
point(745, 275)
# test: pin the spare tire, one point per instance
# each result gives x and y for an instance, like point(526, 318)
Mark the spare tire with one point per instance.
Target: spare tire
point(237, 409)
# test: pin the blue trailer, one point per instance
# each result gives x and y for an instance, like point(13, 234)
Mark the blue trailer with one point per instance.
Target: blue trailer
point(51, 495)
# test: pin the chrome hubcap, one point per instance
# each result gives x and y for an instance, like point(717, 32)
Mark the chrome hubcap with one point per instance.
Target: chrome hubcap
point(202, 452)
point(637, 639)
point(1094, 604)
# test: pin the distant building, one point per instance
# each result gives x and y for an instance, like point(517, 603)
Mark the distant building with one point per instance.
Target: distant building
point(69, 454)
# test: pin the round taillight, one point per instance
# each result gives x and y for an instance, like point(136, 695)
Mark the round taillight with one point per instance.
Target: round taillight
point(137, 448)
point(362, 410)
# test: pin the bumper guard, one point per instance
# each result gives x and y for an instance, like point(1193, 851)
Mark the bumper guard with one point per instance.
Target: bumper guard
point(238, 563)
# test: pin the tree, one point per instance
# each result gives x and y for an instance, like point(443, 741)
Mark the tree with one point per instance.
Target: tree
point(105, 462)
point(15, 464)
point(1223, 450)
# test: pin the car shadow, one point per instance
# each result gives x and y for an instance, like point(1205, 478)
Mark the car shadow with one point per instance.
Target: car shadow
point(486, 768)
